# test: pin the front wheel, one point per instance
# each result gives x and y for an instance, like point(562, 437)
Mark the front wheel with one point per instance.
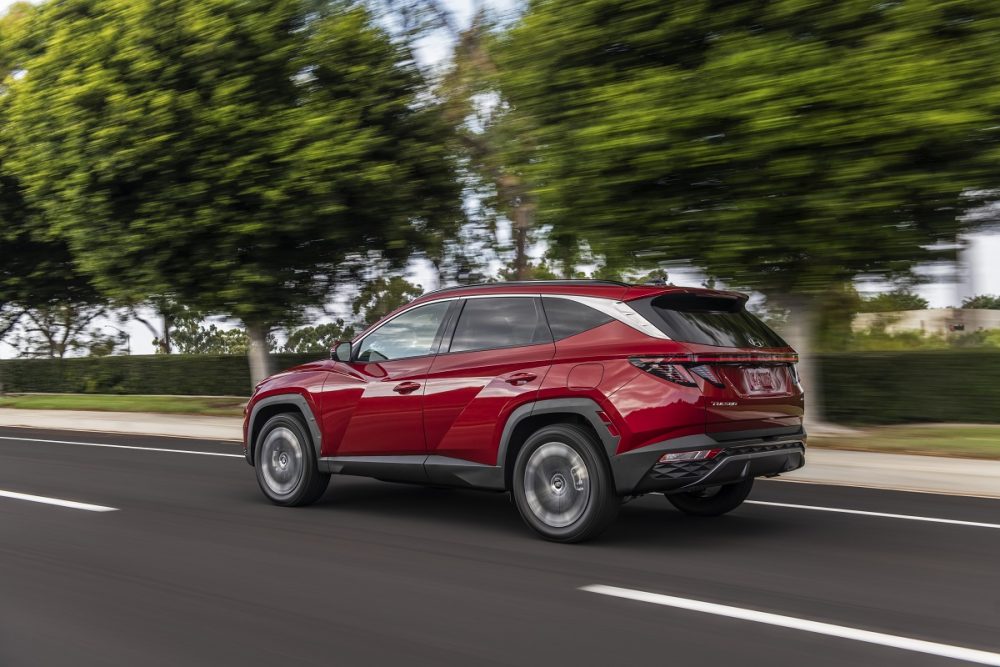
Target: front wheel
point(285, 463)
point(562, 485)
point(712, 501)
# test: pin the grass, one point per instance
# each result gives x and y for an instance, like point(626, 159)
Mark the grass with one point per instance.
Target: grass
point(226, 406)
point(980, 441)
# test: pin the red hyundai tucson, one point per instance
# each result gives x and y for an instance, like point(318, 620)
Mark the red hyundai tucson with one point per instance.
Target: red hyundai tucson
point(570, 395)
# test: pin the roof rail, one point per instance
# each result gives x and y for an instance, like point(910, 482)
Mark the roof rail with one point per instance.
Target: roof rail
point(522, 283)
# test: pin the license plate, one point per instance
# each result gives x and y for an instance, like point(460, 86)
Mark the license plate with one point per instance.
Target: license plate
point(761, 381)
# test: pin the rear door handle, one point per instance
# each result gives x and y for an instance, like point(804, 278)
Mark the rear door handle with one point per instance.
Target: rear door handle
point(520, 378)
point(406, 387)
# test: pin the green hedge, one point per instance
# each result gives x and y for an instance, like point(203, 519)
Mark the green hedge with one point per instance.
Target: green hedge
point(210, 375)
point(906, 387)
point(858, 387)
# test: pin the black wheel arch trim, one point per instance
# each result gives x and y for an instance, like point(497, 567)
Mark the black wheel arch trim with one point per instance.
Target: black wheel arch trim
point(581, 406)
point(299, 402)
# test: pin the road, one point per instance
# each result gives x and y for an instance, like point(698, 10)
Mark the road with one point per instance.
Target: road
point(195, 567)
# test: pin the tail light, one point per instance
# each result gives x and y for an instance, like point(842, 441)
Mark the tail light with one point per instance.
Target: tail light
point(662, 368)
point(678, 368)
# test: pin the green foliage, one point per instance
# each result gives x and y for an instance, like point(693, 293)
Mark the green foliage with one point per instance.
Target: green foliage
point(318, 339)
point(232, 155)
point(888, 302)
point(60, 328)
point(903, 387)
point(987, 301)
point(381, 296)
point(192, 336)
point(202, 375)
point(783, 146)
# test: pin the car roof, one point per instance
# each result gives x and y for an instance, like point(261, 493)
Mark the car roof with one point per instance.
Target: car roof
point(607, 289)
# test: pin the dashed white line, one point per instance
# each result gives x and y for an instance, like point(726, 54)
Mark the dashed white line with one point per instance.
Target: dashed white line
point(884, 515)
point(104, 444)
point(72, 504)
point(829, 629)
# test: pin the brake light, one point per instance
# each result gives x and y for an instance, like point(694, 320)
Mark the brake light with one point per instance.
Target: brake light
point(697, 455)
point(661, 368)
point(677, 368)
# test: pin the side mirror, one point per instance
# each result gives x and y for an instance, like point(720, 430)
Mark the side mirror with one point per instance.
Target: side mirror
point(341, 351)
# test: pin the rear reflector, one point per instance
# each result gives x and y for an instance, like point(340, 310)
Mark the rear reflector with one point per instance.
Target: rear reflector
point(697, 455)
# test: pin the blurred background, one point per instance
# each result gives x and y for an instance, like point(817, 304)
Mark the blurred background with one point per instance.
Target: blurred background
point(196, 193)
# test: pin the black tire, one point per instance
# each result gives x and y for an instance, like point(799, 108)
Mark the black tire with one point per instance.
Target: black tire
point(285, 462)
point(713, 501)
point(564, 469)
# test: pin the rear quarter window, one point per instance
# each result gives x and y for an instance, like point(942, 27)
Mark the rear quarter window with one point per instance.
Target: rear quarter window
point(568, 318)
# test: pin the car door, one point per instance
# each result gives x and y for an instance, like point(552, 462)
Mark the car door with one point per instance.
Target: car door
point(496, 359)
point(390, 365)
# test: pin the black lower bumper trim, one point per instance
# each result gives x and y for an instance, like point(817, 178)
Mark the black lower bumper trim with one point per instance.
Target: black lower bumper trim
point(641, 472)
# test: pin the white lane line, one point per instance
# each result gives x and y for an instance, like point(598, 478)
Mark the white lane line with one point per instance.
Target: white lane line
point(884, 515)
point(829, 629)
point(56, 501)
point(104, 444)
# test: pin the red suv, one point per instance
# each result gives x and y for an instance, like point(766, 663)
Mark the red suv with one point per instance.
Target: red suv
point(570, 395)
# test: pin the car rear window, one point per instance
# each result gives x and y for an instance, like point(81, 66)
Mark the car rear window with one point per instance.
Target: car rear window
point(708, 320)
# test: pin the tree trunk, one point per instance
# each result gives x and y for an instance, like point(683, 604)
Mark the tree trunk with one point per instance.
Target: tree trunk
point(257, 353)
point(168, 323)
point(800, 332)
point(521, 224)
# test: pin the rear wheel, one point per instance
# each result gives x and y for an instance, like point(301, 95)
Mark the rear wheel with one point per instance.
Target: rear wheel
point(712, 501)
point(285, 462)
point(563, 486)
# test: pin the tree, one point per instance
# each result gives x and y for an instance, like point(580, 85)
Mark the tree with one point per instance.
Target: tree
point(887, 302)
point(191, 335)
point(381, 296)
point(987, 301)
point(64, 327)
point(493, 140)
point(784, 147)
point(227, 154)
point(319, 338)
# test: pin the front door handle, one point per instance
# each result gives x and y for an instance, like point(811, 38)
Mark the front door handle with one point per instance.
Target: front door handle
point(520, 378)
point(406, 387)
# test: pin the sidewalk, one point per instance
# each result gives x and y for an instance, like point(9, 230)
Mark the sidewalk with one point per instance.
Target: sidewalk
point(139, 423)
point(904, 472)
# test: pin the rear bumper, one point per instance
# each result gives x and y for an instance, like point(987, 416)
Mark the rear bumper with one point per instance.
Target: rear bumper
point(639, 471)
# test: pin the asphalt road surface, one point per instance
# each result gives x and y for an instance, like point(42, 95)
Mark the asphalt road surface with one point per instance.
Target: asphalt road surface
point(175, 558)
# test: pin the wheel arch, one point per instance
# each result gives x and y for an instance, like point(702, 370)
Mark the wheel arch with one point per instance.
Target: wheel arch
point(530, 417)
point(270, 406)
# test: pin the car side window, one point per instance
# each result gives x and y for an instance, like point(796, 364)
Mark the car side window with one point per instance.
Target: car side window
point(568, 318)
point(491, 323)
point(411, 334)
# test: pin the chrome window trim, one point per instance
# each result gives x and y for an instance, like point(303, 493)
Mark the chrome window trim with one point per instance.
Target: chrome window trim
point(619, 310)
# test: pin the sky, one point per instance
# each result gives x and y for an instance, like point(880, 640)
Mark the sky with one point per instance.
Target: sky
point(979, 274)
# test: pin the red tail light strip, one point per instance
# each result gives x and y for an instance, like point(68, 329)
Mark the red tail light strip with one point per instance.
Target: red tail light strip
point(729, 358)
